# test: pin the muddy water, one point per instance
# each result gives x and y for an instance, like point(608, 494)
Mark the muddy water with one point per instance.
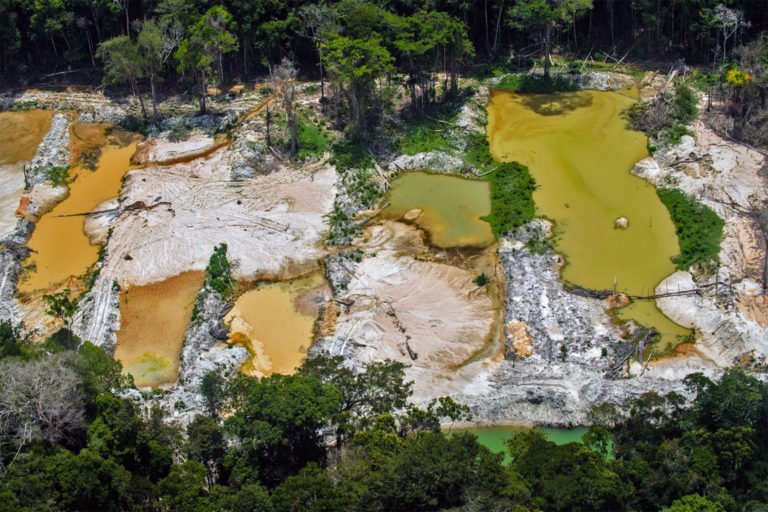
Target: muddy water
point(580, 151)
point(275, 322)
point(153, 320)
point(20, 135)
point(451, 208)
point(60, 247)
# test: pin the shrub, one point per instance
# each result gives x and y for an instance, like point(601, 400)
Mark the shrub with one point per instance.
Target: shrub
point(312, 142)
point(512, 204)
point(685, 100)
point(179, 132)
point(699, 229)
point(218, 274)
point(58, 175)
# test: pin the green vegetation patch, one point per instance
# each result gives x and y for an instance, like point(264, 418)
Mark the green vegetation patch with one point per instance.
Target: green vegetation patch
point(666, 117)
point(179, 132)
point(512, 204)
point(349, 155)
point(58, 175)
point(699, 229)
point(423, 136)
point(536, 84)
point(218, 273)
point(312, 141)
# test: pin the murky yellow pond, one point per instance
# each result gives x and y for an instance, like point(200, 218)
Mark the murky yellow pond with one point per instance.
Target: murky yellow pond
point(451, 208)
point(20, 136)
point(580, 151)
point(60, 247)
point(153, 321)
point(275, 321)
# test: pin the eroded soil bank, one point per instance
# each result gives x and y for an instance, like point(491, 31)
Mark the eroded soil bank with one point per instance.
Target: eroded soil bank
point(580, 152)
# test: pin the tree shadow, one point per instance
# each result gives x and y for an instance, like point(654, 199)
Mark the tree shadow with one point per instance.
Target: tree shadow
point(556, 104)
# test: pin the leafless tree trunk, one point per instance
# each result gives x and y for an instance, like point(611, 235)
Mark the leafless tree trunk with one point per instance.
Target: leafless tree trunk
point(284, 82)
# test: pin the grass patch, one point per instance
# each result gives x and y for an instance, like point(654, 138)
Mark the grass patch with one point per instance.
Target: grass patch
point(699, 229)
point(312, 141)
point(423, 136)
point(348, 155)
point(536, 84)
point(512, 204)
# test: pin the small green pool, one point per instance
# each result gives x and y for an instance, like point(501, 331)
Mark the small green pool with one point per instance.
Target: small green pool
point(495, 438)
point(449, 208)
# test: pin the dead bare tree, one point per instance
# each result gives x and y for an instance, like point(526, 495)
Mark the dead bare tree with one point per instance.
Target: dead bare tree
point(318, 21)
point(40, 400)
point(284, 82)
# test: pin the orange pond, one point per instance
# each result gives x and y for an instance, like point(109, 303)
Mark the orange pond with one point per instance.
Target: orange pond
point(153, 321)
point(60, 247)
point(21, 134)
point(275, 323)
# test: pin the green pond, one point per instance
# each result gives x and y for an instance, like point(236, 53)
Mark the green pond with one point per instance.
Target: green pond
point(495, 438)
point(580, 151)
point(451, 208)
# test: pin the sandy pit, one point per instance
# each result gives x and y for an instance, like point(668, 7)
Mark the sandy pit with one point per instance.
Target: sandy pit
point(20, 135)
point(60, 246)
point(403, 304)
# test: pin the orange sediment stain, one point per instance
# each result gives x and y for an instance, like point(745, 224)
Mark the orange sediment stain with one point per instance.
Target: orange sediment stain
point(153, 321)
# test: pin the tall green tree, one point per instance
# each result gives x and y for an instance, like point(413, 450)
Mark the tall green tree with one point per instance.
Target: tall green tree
point(123, 63)
point(546, 16)
point(356, 65)
point(156, 42)
point(202, 51)
point(278, 422)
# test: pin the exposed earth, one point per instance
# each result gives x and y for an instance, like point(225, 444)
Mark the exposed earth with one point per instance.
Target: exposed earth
point(521, 349)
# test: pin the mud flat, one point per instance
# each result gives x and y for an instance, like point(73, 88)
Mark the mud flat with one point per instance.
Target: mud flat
point(173, 217)
point(399, 300)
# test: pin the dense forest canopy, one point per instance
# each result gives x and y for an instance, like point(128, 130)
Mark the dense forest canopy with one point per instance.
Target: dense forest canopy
point(41, 37)
point(329, 439)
